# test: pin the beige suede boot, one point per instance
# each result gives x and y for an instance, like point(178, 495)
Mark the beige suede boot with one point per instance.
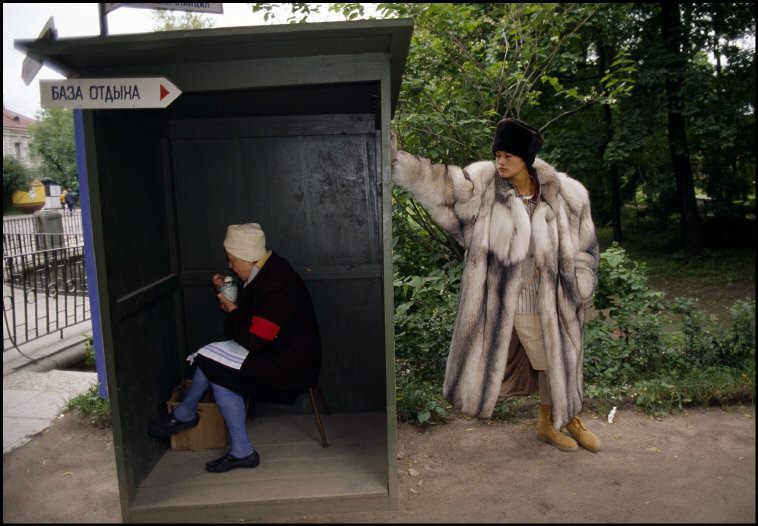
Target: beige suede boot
point(582, 435)
point(546, 432)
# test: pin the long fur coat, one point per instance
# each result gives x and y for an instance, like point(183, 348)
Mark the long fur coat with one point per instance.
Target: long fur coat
point(480, 210)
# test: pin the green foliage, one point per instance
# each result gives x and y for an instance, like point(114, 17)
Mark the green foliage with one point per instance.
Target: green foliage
point(704, 346)
point(715, 384)
point(592, 77)
point(425, 309)
point(627, 354)
point(52, 139)
point(89, 353)
point(92, 405)
point(15, 176)
point(417, 400)
point(165, 20)
point(622, 284)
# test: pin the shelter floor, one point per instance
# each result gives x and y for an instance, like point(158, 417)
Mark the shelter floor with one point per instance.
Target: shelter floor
point(296, 474)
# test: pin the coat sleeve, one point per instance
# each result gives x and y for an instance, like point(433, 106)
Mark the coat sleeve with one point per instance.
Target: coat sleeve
point(255, 329)
point(587, 256)
point(448, 192)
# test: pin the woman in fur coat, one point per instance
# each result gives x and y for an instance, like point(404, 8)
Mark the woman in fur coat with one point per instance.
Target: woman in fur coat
point(530, 265)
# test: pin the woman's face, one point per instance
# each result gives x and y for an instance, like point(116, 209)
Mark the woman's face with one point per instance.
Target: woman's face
point(240, 267)
point(508, 164)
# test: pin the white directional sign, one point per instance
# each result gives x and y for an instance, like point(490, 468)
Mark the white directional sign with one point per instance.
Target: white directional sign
point(201, 7)
point(107, 93)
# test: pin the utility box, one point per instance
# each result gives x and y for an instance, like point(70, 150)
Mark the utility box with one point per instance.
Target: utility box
point(48, 229)
point(287, 126)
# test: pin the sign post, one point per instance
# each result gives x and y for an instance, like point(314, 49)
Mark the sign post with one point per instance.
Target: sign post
point(124, 93)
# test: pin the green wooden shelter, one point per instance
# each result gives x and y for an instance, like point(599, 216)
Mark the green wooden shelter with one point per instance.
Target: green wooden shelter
point(287, 126)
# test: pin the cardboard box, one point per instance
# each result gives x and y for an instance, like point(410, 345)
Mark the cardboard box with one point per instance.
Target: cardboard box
point(209, 433)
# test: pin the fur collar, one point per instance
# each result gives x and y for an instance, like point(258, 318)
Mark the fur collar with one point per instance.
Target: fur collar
point(549, 183)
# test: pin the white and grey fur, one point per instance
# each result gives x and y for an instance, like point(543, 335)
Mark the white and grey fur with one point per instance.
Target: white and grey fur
point(478, 208)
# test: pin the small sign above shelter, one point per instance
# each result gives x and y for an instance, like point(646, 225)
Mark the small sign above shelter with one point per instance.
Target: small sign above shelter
point(104, 94)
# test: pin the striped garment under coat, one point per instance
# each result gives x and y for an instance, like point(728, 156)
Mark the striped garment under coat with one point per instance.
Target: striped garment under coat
point(481, 211)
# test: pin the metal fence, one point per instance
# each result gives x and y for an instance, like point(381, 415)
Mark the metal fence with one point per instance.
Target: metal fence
point(44, 280)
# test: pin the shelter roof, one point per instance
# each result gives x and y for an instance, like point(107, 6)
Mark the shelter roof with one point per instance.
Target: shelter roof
point(84, 56)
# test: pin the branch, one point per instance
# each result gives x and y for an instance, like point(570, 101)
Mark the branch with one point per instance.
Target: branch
point(570, 112)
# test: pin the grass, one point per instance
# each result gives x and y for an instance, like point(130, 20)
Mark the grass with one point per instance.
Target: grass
point(91, 405)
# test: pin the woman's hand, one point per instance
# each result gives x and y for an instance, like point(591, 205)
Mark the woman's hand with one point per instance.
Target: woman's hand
point(226, 305)
point(217, 281)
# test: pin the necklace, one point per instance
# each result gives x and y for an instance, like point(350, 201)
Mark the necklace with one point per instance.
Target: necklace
point(528, 187)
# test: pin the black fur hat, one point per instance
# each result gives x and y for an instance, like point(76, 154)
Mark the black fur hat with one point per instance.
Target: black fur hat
point(518, 138)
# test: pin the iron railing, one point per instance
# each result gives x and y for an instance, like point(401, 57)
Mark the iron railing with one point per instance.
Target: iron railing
point(44, 280)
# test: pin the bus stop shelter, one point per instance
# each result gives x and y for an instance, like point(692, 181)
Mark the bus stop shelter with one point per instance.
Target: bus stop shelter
point(287, 126)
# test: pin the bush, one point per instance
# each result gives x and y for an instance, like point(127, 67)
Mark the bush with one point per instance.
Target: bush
point(418, 401)
point(705, 346)
point(15, 176)
point(425, 310)
point(627, 355)
point(625, 341)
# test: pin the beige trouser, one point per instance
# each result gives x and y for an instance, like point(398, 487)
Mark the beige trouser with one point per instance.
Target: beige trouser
point(529, 331)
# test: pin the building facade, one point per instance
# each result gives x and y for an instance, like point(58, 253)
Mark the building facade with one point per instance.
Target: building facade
point(16, 139)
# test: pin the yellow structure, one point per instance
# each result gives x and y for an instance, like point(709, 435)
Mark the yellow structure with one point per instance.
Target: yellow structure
point(32, 200)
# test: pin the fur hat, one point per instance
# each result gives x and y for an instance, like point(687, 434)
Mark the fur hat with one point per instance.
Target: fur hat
point(246, 242)
point(518, 138)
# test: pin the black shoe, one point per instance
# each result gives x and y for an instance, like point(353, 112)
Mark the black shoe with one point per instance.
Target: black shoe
point(228, 462)
point(167, 424)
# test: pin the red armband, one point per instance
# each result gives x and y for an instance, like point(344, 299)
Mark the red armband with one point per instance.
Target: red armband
point(263, 328)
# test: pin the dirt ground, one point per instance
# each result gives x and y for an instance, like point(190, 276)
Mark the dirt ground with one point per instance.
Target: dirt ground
point(693, 466)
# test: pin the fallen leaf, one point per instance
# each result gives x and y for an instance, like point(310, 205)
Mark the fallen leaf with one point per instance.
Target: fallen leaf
point(413, 491)
point(413, 473)
point(654, 450)
point(68, 473)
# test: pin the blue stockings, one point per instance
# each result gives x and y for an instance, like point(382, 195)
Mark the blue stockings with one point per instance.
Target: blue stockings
point(231, 405)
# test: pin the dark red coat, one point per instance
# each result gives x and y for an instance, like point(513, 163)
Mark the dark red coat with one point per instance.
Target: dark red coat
point(276, 323)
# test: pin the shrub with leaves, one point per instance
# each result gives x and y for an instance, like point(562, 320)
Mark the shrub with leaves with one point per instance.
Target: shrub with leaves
point(705, 345)
point(625, 341)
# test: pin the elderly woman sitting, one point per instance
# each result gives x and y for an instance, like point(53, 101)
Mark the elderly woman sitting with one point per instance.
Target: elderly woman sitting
point(274, 345)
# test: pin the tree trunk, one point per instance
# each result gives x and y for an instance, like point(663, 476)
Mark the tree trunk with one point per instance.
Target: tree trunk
point(671, 33)
point(613, 171)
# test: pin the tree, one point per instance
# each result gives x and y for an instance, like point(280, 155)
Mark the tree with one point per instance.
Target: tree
point(169, 21)
point(593, 78)
point(15, 176)
point(52, 139)
point(469, 65)
point(675, 41)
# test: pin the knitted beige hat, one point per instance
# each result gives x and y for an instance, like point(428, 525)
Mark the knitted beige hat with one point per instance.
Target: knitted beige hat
point(246, 242)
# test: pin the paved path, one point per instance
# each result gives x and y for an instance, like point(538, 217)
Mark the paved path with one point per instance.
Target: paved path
point(32, 401)
point(36, 391)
